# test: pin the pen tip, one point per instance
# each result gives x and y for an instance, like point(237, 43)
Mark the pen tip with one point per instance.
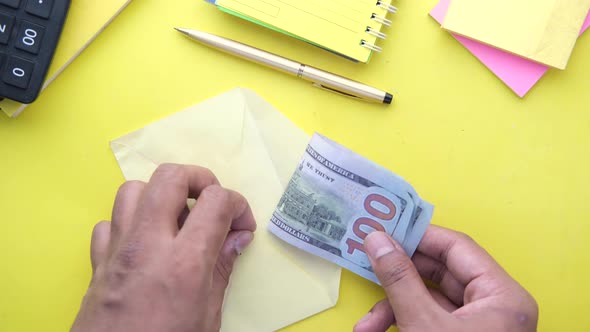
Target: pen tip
point(183, 31)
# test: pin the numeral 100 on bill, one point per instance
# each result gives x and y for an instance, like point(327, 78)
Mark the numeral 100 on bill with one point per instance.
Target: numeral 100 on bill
point(379, 212)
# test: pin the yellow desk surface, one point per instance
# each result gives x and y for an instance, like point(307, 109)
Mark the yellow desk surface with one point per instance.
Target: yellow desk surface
point(514, 174)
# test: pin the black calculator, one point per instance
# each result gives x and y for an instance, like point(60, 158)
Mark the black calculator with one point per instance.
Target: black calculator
point(29, 32)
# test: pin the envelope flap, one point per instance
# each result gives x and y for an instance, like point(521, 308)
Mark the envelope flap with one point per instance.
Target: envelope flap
point(185, 137)
point(284, 142)
point(133, 163)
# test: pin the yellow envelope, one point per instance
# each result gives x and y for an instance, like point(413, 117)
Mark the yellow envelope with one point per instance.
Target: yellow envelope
point(254, 149)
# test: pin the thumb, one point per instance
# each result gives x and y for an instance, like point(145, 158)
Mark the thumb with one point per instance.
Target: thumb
point(411, 302)
point(233, 246)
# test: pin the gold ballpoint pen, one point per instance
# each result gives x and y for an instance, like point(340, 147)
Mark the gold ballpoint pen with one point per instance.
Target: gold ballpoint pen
point(319, 78)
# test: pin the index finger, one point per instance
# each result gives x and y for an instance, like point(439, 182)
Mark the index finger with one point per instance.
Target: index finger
point(462, 256)
point(166, 194)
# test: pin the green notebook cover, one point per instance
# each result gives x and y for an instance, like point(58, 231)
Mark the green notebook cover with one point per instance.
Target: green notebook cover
point(268, 26)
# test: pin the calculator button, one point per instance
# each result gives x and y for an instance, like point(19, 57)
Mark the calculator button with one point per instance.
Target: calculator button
point(10, 3)
point(6, 23)
point(18, 72)
point(41, 8)
point(29, 37)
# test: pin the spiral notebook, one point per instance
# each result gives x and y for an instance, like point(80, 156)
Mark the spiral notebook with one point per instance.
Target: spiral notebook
point(350, 28)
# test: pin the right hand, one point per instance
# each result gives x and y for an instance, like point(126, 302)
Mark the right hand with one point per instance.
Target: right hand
point(474, 293)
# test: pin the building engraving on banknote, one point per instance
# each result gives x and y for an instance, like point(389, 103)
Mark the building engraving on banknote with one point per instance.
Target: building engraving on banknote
point(303, 210)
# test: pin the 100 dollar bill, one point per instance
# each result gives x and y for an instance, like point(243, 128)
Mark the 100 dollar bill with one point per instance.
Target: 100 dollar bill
point(337, 197)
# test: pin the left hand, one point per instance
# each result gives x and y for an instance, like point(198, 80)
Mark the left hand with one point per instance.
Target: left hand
point(158, 266)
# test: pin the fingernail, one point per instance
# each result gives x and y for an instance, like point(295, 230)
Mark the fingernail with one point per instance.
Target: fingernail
point(242, 241)
point(378, 245)
point(365, 318)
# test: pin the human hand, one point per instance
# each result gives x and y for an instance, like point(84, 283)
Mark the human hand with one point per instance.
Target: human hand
point(474, 293)
point(158, 266)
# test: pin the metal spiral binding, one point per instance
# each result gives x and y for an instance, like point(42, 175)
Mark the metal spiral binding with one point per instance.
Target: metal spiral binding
point(370, 46)
point(381, 20)
point(376, 33)
point(390, 8)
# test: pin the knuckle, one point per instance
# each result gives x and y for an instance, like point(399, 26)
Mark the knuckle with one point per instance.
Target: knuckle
point(535, 306)
point(216, 193)
point(527, 318)
point(459, 239)
point(112, 281)
point(438, 274)
point(99, 226)
point(168, 171)
point(464, 238)
point(126, 195)
point(207, 174)
point(535, 311)
point(532, 305)
point(100, 230)
point(395, 273)
point(129, 254)
point(112, 300)
point(130, 187)
point(240, 203)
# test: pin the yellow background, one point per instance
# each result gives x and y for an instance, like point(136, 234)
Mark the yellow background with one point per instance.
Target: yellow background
point(514, 174)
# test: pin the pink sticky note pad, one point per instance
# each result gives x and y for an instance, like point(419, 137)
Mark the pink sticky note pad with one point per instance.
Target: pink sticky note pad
point(518, 73)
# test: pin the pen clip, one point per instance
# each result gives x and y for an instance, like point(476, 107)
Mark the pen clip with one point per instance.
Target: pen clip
point(333, 90)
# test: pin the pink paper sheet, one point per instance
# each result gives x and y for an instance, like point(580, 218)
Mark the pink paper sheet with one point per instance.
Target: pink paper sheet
point(518, 73)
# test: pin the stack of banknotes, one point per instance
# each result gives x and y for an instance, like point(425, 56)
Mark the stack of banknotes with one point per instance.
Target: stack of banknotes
point(337, 197)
